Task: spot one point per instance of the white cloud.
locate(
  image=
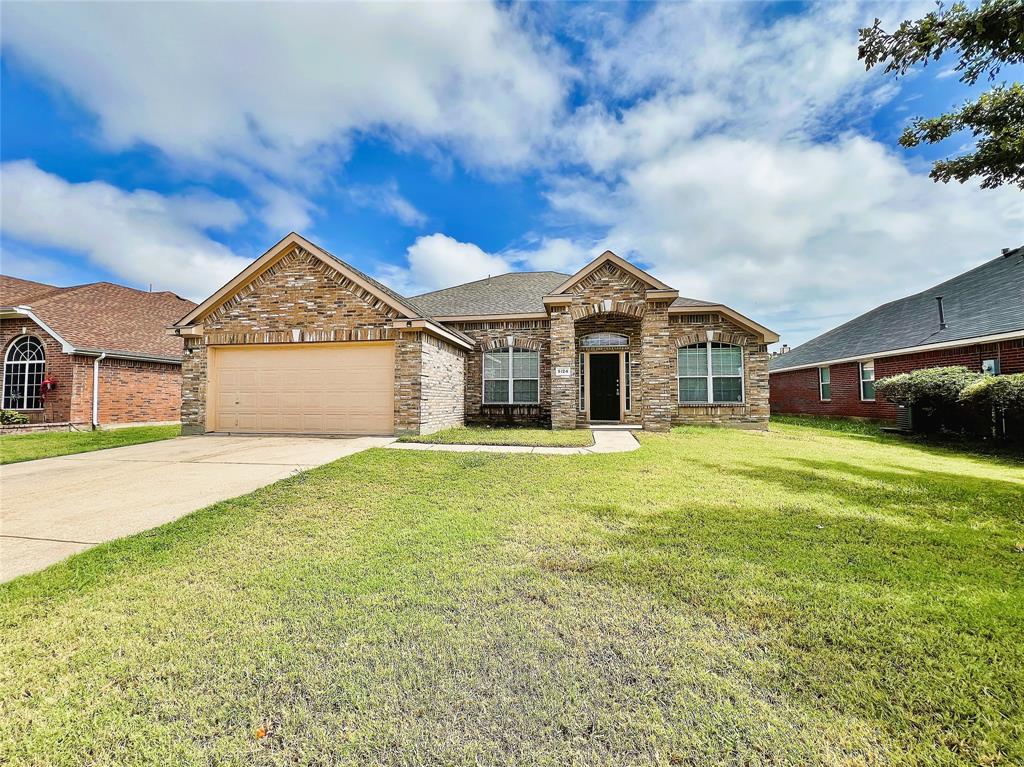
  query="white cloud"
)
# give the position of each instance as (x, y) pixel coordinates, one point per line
(729, 176)
(141, 236)
(438, 261)
(387, 199)
(799, 231)
(279, 91)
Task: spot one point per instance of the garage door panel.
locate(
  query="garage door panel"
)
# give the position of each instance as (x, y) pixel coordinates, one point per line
(315, 389)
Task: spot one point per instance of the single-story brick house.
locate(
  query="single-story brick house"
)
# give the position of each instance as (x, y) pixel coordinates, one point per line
(104, 349)
(301, 342)
(975, 319)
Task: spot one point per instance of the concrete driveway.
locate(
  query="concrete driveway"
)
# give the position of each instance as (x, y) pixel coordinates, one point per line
(55, 507)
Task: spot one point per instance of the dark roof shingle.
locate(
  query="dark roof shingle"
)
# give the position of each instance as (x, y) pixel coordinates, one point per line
(986, 300)
(512, 293)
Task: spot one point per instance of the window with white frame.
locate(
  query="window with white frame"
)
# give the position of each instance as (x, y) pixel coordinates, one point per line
(24, 370)
(825, 383)
(867, 380)
(511, 377)
(710, 373)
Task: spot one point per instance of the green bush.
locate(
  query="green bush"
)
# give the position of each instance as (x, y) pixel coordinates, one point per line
(1004, 393)
(929, 388)
(9, 417)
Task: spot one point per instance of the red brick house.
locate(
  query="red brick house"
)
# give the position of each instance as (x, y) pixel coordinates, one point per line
(104, 347)
(975, 319)
(301, 342)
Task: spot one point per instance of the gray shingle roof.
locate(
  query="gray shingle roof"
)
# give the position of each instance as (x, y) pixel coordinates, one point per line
(512, 293)
(683, 301)
(986, 300)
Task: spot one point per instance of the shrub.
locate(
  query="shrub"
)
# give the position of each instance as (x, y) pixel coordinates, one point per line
(1004, 393)
(928, 388)
(9, 417)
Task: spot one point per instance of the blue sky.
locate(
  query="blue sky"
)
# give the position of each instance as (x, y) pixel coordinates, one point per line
(739, 150)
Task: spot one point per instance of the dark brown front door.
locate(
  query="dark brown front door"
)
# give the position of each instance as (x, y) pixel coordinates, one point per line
(604, 387)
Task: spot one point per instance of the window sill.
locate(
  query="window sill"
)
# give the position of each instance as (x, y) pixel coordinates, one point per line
(712, 404)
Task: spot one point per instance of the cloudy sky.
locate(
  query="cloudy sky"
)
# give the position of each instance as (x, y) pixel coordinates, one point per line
(739, 151)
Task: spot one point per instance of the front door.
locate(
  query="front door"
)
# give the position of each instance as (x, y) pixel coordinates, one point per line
(604, 387)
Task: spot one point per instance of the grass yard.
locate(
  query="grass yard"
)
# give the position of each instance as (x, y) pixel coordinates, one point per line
(802, 597)
(482, 435)
(48, 444)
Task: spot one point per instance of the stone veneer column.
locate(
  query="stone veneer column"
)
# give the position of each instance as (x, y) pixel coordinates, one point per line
(657, 368)
(408, 382)
(193, 387)
(563, 355)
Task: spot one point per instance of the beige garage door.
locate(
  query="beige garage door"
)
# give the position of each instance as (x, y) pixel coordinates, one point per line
(303, 389)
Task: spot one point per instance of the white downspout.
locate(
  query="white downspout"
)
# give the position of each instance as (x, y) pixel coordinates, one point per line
(96, 390)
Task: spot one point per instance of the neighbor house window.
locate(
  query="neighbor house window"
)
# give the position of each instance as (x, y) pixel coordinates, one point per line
(710, 373)
(867, 381)
(511, 377)
(24, 370)
(825, 383)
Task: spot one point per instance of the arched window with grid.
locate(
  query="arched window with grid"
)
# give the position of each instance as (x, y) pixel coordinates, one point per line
(24, 370)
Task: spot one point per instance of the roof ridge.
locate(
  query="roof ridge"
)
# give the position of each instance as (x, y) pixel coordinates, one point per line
(490, 277)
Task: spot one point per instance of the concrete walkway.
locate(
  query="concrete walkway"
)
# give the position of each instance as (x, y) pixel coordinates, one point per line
(605, 441)
(55, 507)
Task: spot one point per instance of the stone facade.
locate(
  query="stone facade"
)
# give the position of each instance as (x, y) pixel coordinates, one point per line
(430, 378)
(527, 334)
(689, 329)
(300, 298)
(443, 396)
(131, 391)
(625, 325)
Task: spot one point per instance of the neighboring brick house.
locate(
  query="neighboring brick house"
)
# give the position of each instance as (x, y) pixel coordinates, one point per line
(975, 319)
(104, 347)
(301, 342)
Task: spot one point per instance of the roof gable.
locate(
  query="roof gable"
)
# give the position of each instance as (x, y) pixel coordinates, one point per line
(608, 257)
(401, 305)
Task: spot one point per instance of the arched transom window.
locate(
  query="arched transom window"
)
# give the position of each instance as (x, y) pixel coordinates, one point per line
(24, 369)
(511, 377)
(604, 339)
(709, 373)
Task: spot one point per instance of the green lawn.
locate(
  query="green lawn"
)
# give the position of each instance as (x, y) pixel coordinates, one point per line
(47, 444)
(798, 597)
(482, 435)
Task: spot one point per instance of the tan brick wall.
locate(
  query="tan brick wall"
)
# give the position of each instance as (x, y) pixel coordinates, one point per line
(408, 383)
(443, 396)
(299, 293)
(533, 334)
(193, 387)
(754, 411)
(628, 326)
